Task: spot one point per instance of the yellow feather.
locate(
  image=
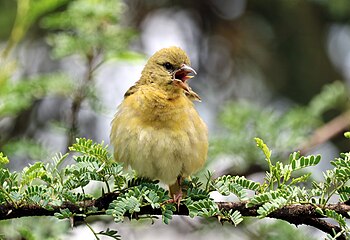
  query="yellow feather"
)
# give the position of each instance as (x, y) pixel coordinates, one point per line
(156, 129)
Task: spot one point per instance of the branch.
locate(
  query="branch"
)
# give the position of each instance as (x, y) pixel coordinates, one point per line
(323, 226)
(296, 210)
(294, 214)
(78, 99)
(327, 132)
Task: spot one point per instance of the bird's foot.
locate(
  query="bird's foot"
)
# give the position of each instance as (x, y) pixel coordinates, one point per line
(177, 197)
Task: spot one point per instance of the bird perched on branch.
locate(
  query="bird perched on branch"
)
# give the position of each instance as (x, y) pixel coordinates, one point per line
(156, 129)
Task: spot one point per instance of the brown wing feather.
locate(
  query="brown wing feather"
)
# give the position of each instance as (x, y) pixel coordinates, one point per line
(131, 91)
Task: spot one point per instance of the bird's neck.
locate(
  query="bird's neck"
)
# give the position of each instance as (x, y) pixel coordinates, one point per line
(160, 97)
(163, 88)
(160, 105)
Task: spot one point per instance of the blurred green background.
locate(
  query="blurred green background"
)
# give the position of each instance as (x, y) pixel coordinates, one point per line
(275, 69)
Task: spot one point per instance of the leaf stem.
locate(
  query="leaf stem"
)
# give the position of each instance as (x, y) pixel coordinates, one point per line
(92, 230)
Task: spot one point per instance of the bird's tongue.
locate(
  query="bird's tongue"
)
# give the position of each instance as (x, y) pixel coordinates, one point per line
(183, 85)
(181, 78)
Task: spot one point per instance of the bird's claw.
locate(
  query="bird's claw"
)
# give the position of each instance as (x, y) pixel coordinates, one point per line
(176, 199)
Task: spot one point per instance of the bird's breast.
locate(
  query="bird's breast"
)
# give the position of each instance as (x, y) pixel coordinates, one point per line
(159, 139)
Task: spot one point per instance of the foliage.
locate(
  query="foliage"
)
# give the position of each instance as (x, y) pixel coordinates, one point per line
(98, 34)
(280, 187)
(91, 30)
(41, 183)
(110, 233)
(17, 96)
(44, 228)
(55, 183)
(3, 159)
(284, 130)
(134, 198)
(100, 37)
(279, 230)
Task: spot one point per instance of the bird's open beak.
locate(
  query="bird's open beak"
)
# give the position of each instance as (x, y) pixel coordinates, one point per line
(182, 75)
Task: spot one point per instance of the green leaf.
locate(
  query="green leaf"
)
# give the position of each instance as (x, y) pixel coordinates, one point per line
(100, 33)
(153, 199)
(197, 194)
(263, 198)
(59, 158)
(343, 173)
(203, 208)
(17, 96)
(300, 179)
(347, 134)
(117, 210)
(130, 202)
(86, 146)
(64, 213)
(236, 185)
(9, 186)
(336, 216)
(269, 207)
(247, 184)
(3, 159)
(344, 193)
(110, 233)
(233, 217)
(167, 212)
(139, 181)
(260, 143)
(225, 185)
(35, 171)
(304, 162)
(332, 95)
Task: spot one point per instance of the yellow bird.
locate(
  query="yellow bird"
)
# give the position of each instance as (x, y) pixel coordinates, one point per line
(156, 129)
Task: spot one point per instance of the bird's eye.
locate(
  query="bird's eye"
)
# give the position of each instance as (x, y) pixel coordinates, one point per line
(168, 66)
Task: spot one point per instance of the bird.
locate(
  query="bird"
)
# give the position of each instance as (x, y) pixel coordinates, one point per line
(156, 129)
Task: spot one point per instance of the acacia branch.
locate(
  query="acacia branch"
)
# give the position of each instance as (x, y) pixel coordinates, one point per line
(323, 226)
(327, 132)
(296, 214)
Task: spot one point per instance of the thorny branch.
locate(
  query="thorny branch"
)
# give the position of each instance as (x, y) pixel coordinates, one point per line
(294, 214)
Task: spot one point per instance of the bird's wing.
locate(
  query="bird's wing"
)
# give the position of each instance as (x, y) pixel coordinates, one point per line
(131, 90)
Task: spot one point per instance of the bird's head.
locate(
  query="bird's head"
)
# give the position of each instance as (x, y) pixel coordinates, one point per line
(169, 69)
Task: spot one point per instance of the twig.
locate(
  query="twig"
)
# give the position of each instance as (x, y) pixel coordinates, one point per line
(91, 229)
(78, 99)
